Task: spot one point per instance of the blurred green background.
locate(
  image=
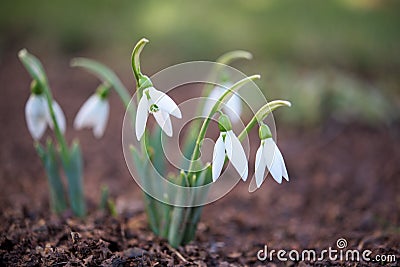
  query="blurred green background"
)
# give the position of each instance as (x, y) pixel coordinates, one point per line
(333, 59)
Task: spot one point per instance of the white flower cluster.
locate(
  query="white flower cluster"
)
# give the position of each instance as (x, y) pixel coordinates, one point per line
(268, 156)
(93, 114)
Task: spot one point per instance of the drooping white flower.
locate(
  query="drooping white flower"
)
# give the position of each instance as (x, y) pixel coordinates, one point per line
(38, 115)
(228, 145)
(93, 114)
(60, 117)
(233, 107)
(161, 106)
(269, 156)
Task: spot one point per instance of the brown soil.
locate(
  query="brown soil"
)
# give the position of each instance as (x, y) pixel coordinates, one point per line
(344, 184)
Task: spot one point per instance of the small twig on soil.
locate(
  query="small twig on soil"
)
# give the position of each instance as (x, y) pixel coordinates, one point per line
(177, 253)
(59, 263)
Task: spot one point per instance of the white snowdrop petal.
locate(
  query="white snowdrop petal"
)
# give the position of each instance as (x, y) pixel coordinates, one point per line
(260, 166)
(141, 117)
(164, 102)
(86, 117)
(281, 162)
(272, 161)
(102, 111)
(236, 154)
(233, 108)
(163, 119)
(284, 172)
(35, 115)
(218, 158)
(208, 105)
(216, 93)
(60, 117)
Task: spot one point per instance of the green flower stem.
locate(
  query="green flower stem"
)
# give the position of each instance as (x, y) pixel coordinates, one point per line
(153, 206)
(214, 109)
(261, 114)
(136, 58)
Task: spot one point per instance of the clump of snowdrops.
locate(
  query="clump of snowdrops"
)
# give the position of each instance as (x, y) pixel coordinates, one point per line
(175, 223)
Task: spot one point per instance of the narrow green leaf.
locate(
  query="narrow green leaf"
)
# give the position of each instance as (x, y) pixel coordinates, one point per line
(157, 157)
(73, 171)
(205, 177)
(103, 198)
(105, 74)
(137, 159)
(49, 159)
(149, 202)
(177, 229)
(227, 58)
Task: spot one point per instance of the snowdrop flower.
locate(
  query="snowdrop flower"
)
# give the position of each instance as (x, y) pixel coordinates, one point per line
(233, 107)
(161, 106)
(37, 114)
(228, 144)
(94, 112)
(269, 156)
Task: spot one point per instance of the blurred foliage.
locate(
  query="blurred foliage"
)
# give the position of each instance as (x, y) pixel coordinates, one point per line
(319, 95)
(358, 39)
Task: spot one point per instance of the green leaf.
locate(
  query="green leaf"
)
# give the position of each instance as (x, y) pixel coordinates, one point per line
(49, 159)
(150, 203)
(138, 161)
(157, 155)
(105, 74)
(227, 58)
(73, 171)
(177, 228)
(103, 198)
